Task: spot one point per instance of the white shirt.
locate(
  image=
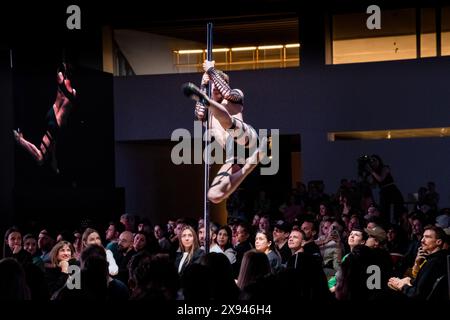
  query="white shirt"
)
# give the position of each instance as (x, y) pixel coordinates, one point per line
(180, 266)
(112, 265)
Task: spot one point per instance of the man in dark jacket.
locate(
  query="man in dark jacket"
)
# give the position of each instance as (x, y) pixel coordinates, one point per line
(431, 281)
(243, 245)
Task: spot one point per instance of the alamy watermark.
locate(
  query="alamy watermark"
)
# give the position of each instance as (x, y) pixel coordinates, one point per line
(374, 21)
(74, 279)
(220, 151)
(74, 20)
(374, 280)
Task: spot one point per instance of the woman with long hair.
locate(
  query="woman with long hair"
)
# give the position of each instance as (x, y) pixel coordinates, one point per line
(13, 247)
(255, 265)
(91, 236)
(264, 243)
(57, 271)
(223, 240)
(189, 251)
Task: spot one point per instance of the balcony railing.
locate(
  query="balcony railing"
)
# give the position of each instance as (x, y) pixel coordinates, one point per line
(240, 58)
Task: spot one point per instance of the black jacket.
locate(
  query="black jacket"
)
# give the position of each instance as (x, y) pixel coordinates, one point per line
(313, 249)
(240, 249)
(198, 254)
(433, 269)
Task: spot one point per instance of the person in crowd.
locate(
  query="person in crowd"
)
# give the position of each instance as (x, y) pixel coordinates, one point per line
(390, 195)
(223, 240)
(255, 265)
(13, 285)
(45, 244)
(264, 224)
(309, 245)
(57, 272)
(430, 282)
(243, 244)
(357, 237)
(30, 245)
(126, 251)
(264, 243)
(95, 282)
(295, 243)
(160, 235)
(91, 236)
(190, 251)
(153, 278)
(281, 232)
(220, 275)
(377, 237)
(13, 248)
(112, 237)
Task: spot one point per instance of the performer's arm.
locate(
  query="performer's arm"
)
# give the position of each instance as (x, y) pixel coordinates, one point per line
(204, 83)
(200, 109)
(233, 95)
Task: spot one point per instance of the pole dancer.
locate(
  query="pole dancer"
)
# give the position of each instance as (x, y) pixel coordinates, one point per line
(228, 128)
(56, 118)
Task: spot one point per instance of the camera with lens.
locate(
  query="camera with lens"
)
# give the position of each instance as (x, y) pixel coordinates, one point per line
(334, 231)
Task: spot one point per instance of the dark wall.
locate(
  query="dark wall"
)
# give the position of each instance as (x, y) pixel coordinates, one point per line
(41, 33)
(365, 96)
(66, 208)
(6, 140)
(158, 189)
(313, 102)
(377, 96)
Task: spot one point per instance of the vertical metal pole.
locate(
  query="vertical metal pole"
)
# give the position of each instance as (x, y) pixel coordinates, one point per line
(63, 55)
(208, 144)
(448, 275)
(11, 58)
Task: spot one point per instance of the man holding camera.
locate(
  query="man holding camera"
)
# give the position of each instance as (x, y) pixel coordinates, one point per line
(390, 195)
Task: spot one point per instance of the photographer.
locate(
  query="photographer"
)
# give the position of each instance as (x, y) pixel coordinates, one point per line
(389, 193)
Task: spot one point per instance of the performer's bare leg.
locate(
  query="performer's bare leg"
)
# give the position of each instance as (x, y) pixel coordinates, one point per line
(230, 175)
(37, 153)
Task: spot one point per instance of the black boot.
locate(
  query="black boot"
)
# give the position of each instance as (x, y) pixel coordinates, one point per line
(191, 91)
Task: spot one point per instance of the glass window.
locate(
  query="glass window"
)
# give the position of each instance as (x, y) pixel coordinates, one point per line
(445, 31)
(354, 42)
(428, 33)
(257, 43)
